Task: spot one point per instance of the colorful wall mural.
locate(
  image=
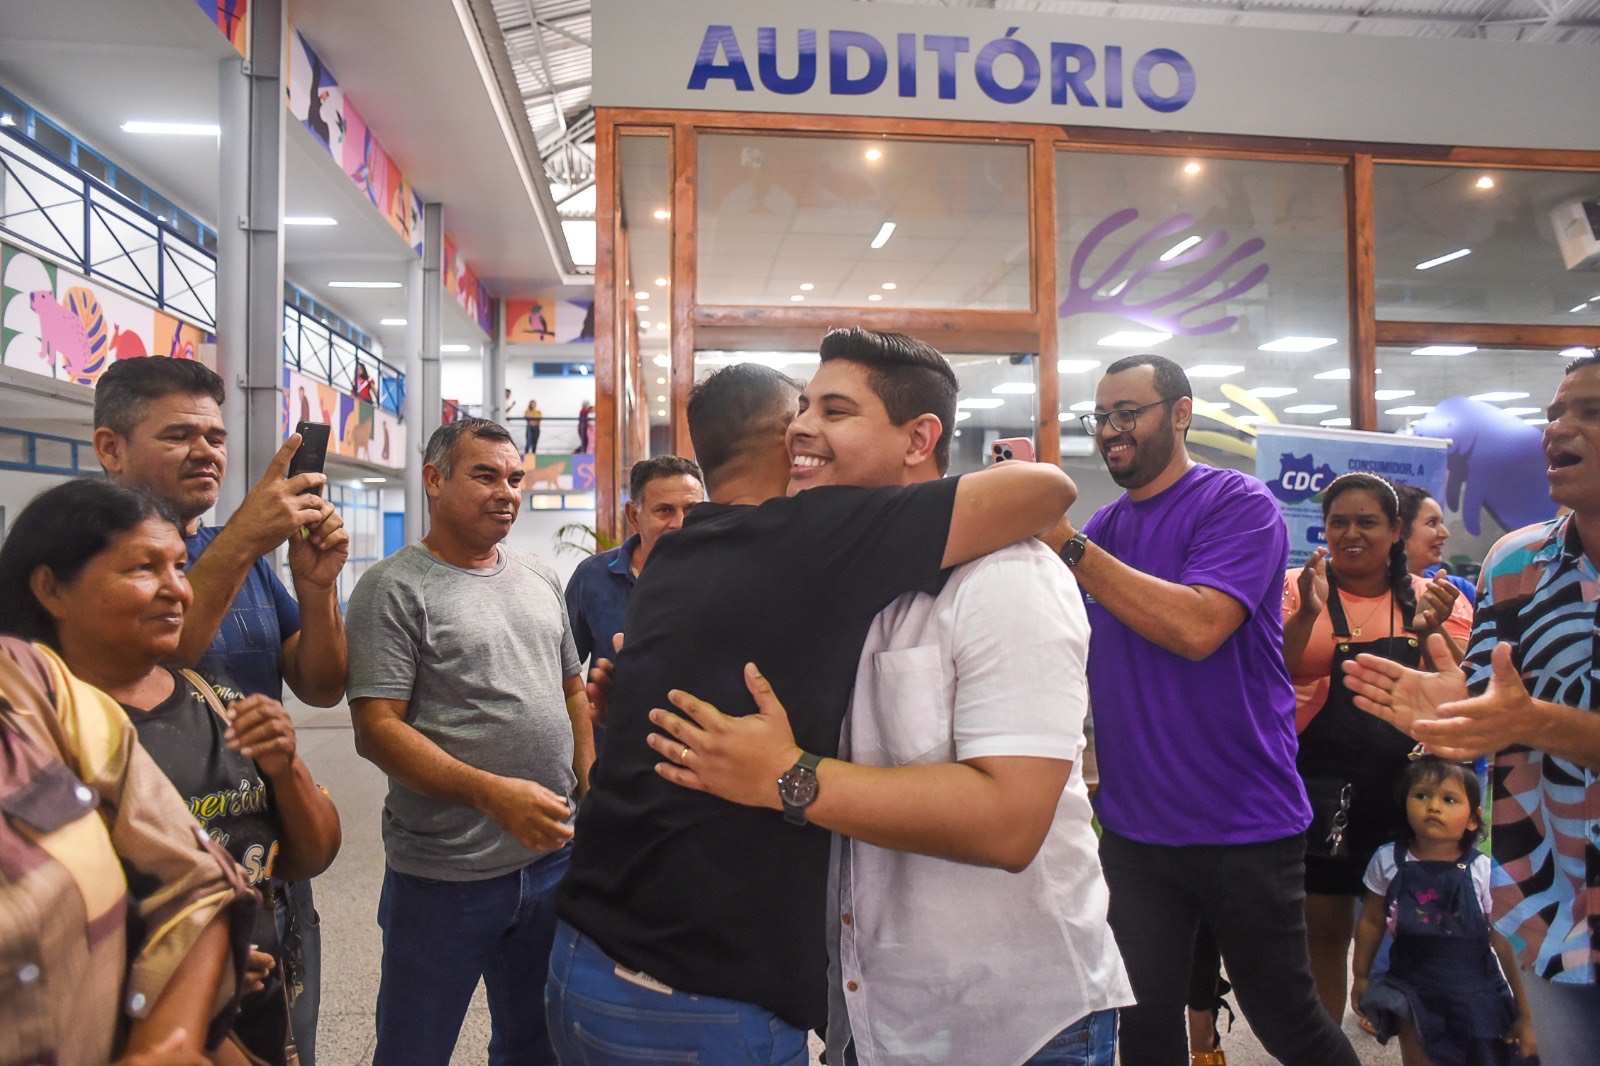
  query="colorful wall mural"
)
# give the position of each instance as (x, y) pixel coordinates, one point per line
(61, 325)
(359, 429)
(555, 473)
(464, 285)
(314, 97)
(231, 17)
(548, 321)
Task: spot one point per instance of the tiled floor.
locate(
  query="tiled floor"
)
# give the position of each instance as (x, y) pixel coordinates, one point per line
(347, 898)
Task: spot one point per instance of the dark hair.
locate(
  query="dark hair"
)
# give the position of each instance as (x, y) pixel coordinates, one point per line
(1171, 382)
(121, 393)
(63, 528)
(1583, 362)
(441, 450)
(1432, 770)
(910, 377)
(657, 466)
(729, 411)
(1388, 497)
(1411, 500)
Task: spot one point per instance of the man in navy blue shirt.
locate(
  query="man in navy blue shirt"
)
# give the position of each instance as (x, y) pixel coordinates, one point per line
(158, 425)
(661, 491)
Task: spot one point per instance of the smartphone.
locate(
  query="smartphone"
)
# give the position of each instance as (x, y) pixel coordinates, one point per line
(1018, 448)
(313, 451)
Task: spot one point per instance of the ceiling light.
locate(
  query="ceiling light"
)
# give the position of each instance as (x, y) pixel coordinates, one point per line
(661, 283)
(1215, 370)
(796, 298)
(979, 404)
(1393, 394)
(177, 129)
(884, 233)
(1310, 408)
(1540, 421)
(662, 214)
(1082, 406)
(1457, 254)
(1132, 338)
(1340, 374)
(1273, 392)
(641, 296)
(391, 321)
(1581, 307)
(1520, 411)
(1249, 420)
(6, 119)
(643, 308)
(1217, 406)
(644, 323)
(309, 220)
(875, 297)
(661, 399)
(660, 360)
(1413, 409)
(1485, 182)
(874, 154)
(1297, 344)
(661, 381)
(1076, 366)
(1016, 388)
(806, 286)
(374, 481)
(1191, 168)
(1576, 353)
(661, 414)
(455, 347)
(888, 286)
(1499, 397)
(962, 416)
(363, 284)
(1334, 422)
(1445, 349)
(1179, 248)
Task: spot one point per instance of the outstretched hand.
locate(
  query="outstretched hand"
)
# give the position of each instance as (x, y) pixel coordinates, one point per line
(1314, 583)
(737, 759)
(1503, 716)
(1401, 696)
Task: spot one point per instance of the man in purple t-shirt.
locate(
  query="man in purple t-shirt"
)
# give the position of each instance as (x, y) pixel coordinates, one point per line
(1202, 810)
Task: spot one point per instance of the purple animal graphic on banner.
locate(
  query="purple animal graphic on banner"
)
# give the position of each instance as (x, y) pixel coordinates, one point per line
(1495, 462)
(1166, 310)
(62, 332)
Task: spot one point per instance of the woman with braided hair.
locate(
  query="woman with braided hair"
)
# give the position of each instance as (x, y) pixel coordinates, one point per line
(1354, 596)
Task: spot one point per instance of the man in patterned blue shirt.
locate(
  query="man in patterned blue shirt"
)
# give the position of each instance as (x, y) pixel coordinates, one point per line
(1526, 694)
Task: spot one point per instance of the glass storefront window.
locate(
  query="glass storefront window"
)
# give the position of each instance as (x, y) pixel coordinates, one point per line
(854, 222)
(1234, 269)
(1474, 244)
(645, 288)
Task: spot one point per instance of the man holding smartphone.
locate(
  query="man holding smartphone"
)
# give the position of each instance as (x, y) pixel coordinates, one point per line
(158, 426)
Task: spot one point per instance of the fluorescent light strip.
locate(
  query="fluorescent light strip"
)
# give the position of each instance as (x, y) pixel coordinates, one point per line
(1413, 409)
(1178, 249)
(1457, 254)
(363, 284)
(1334, 422)
(1445, 349)
(455, 347)
(884, 233)
(1082, 406)
(1520, 411)
(1499, 397)
(175, 129)
(391, 321)
(1297, 344)
(1310, 408)
(1076, 366)
(1273, 392)
(1393, 394)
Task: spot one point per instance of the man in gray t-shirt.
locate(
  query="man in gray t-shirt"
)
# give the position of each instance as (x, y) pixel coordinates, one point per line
(465, 688)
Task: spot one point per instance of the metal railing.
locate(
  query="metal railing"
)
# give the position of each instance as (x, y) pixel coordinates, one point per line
(46, 453)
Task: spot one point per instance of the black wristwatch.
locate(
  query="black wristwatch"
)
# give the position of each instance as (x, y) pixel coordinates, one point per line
(797, 788)
(1072, 551)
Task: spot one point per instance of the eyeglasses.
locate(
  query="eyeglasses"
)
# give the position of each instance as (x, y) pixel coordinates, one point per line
(1123, 419)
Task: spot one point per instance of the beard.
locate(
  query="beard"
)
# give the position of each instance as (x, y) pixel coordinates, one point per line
(1150, 457)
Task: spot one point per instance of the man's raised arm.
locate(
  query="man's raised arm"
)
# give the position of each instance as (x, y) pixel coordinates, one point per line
(1003, 504)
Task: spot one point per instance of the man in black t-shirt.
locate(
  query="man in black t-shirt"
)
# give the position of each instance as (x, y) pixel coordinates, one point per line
(706, 915)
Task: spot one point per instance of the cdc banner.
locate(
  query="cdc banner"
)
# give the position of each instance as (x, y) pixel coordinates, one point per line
(1297, 462)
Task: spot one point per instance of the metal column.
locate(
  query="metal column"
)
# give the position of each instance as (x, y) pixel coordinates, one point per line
(250, 251)
(494, 369)
(424, 292)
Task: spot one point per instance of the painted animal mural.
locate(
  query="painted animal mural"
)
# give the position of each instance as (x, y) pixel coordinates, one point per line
(75, 330)
(549, 474)
(1495, 463)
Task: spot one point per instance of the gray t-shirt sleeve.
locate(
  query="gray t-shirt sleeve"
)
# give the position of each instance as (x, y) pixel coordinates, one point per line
(384, 625)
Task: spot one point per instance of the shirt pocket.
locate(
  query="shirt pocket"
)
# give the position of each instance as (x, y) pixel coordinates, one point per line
(912, 705)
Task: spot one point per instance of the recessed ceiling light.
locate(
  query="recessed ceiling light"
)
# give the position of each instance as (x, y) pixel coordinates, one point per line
(661, 414)
(363, 285)
(6, 119)
(962, 416)
(1339, 374)
(1393, 394)
(1017, 388)
(661, 283)
(1310, 408)
(1132, 338)
(1520, 411)
(1273, 392)
(644, 323)
(661, 399)
(641, 296)
(888, 286)
(662, 214)
(1457, 254)
(391, 321)
(1485, 182)
(1445, 349)
(806, 286)
(1412, 409)
(1076, 366)
(979, 404)
(1499, 397)
(1082, 406)
(176, 129)
(660, 360)
(875, 297)
(1297, 344)
(874, 154)
(1179, 248)
(1334, 422)
(642, 308)
(309, 220)
(455, 347)
(796, 298)
(1215, 370)
(884, 233)
(1191, 168)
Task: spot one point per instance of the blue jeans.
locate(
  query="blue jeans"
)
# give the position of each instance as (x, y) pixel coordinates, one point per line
(298, 921)
(1089, 1041)
(440, 937)
(1566, 1019)
(598, 1018)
